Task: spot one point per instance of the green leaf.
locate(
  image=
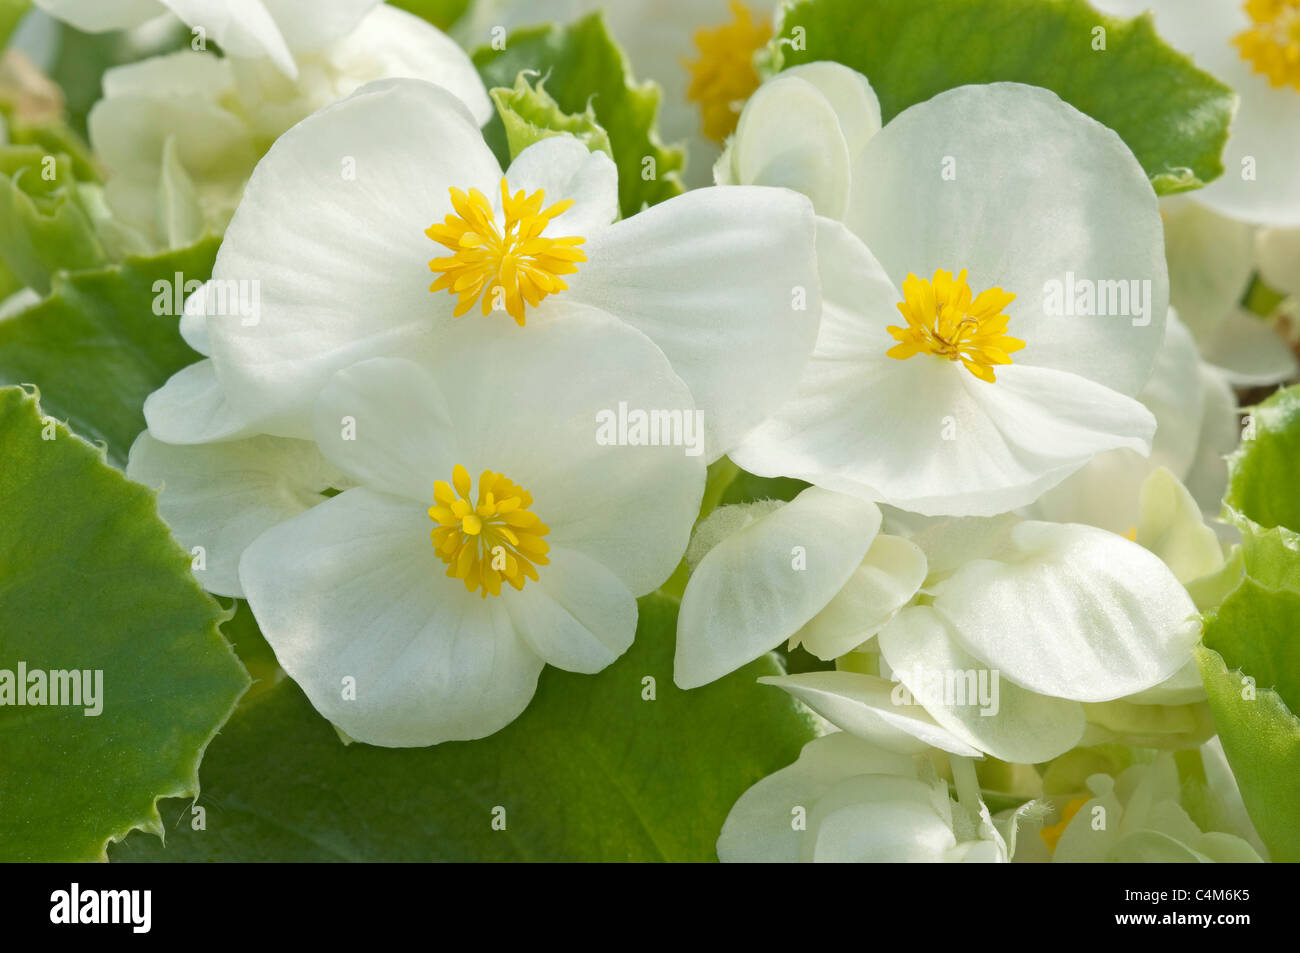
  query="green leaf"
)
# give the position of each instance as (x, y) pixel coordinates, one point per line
(530, 114)
(97, 347)
(591, 771)
(1257, 630)
(1262, 484)
(747, 488)
(44, 226)
(441, 13)
(1261, 738)
(1270, 557)
(11, 14)
(91, 580)
(1174, 117)
(583, 66)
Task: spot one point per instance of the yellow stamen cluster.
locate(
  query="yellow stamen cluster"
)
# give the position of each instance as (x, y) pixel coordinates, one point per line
(944, 321)
(505, 267)
(1272, 43)
(492, 539)
(723, 76)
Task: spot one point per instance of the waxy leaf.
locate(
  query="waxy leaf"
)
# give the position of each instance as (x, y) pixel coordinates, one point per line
(1173, 116)
(582, 65)
(113, 675)
(617, 766)
(104, 341)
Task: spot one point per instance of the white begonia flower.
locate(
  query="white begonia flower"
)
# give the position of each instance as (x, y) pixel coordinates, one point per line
(345, 217)
(1211, 261)
(276, 29)
(1138, 817)
(700, 53)
(997, 383)
(845, 800)
(1250, 45)
(995, 632)
(488, 532)
(181, 133)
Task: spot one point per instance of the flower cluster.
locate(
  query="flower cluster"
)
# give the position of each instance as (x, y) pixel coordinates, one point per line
(925, 400)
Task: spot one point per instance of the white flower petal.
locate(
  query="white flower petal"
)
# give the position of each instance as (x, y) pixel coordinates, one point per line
(1083, 841)
(1211, 260)
(192, 408)
(759, 830)
(757, 587)
(578, 617)
(863, 705)
(724, 280)
(1207, 478)
(386, 424)
(352, 589)
(975, 703)
(222, 496)
(390, 43)
(1040, 192)
(98, 16)
(888, 578)
(184, 73)
(1277, 251)
(849, 93)
(1103, 493)
(878, 818)
(1249, 353)
(307, 24)
(790, 137)
(239, 27)
(1073, 612)
(342, 262)
(1176, 396)
(1172, 527)
(567, 169)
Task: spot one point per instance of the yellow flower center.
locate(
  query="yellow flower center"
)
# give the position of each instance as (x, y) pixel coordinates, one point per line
(1052, 835)
(495, 538)
(943, 320)
(723, 76)
(1272, 43)
(505, 267)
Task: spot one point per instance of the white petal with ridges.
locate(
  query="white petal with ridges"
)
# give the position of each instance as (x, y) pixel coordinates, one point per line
(758, 586)
(888, 578)
(759, 830)
(1072, 611)
(192, 408)
(222, 496)
(973, 700)
(579, 617)
(567, 169)
(864, 706)
(724, 281)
